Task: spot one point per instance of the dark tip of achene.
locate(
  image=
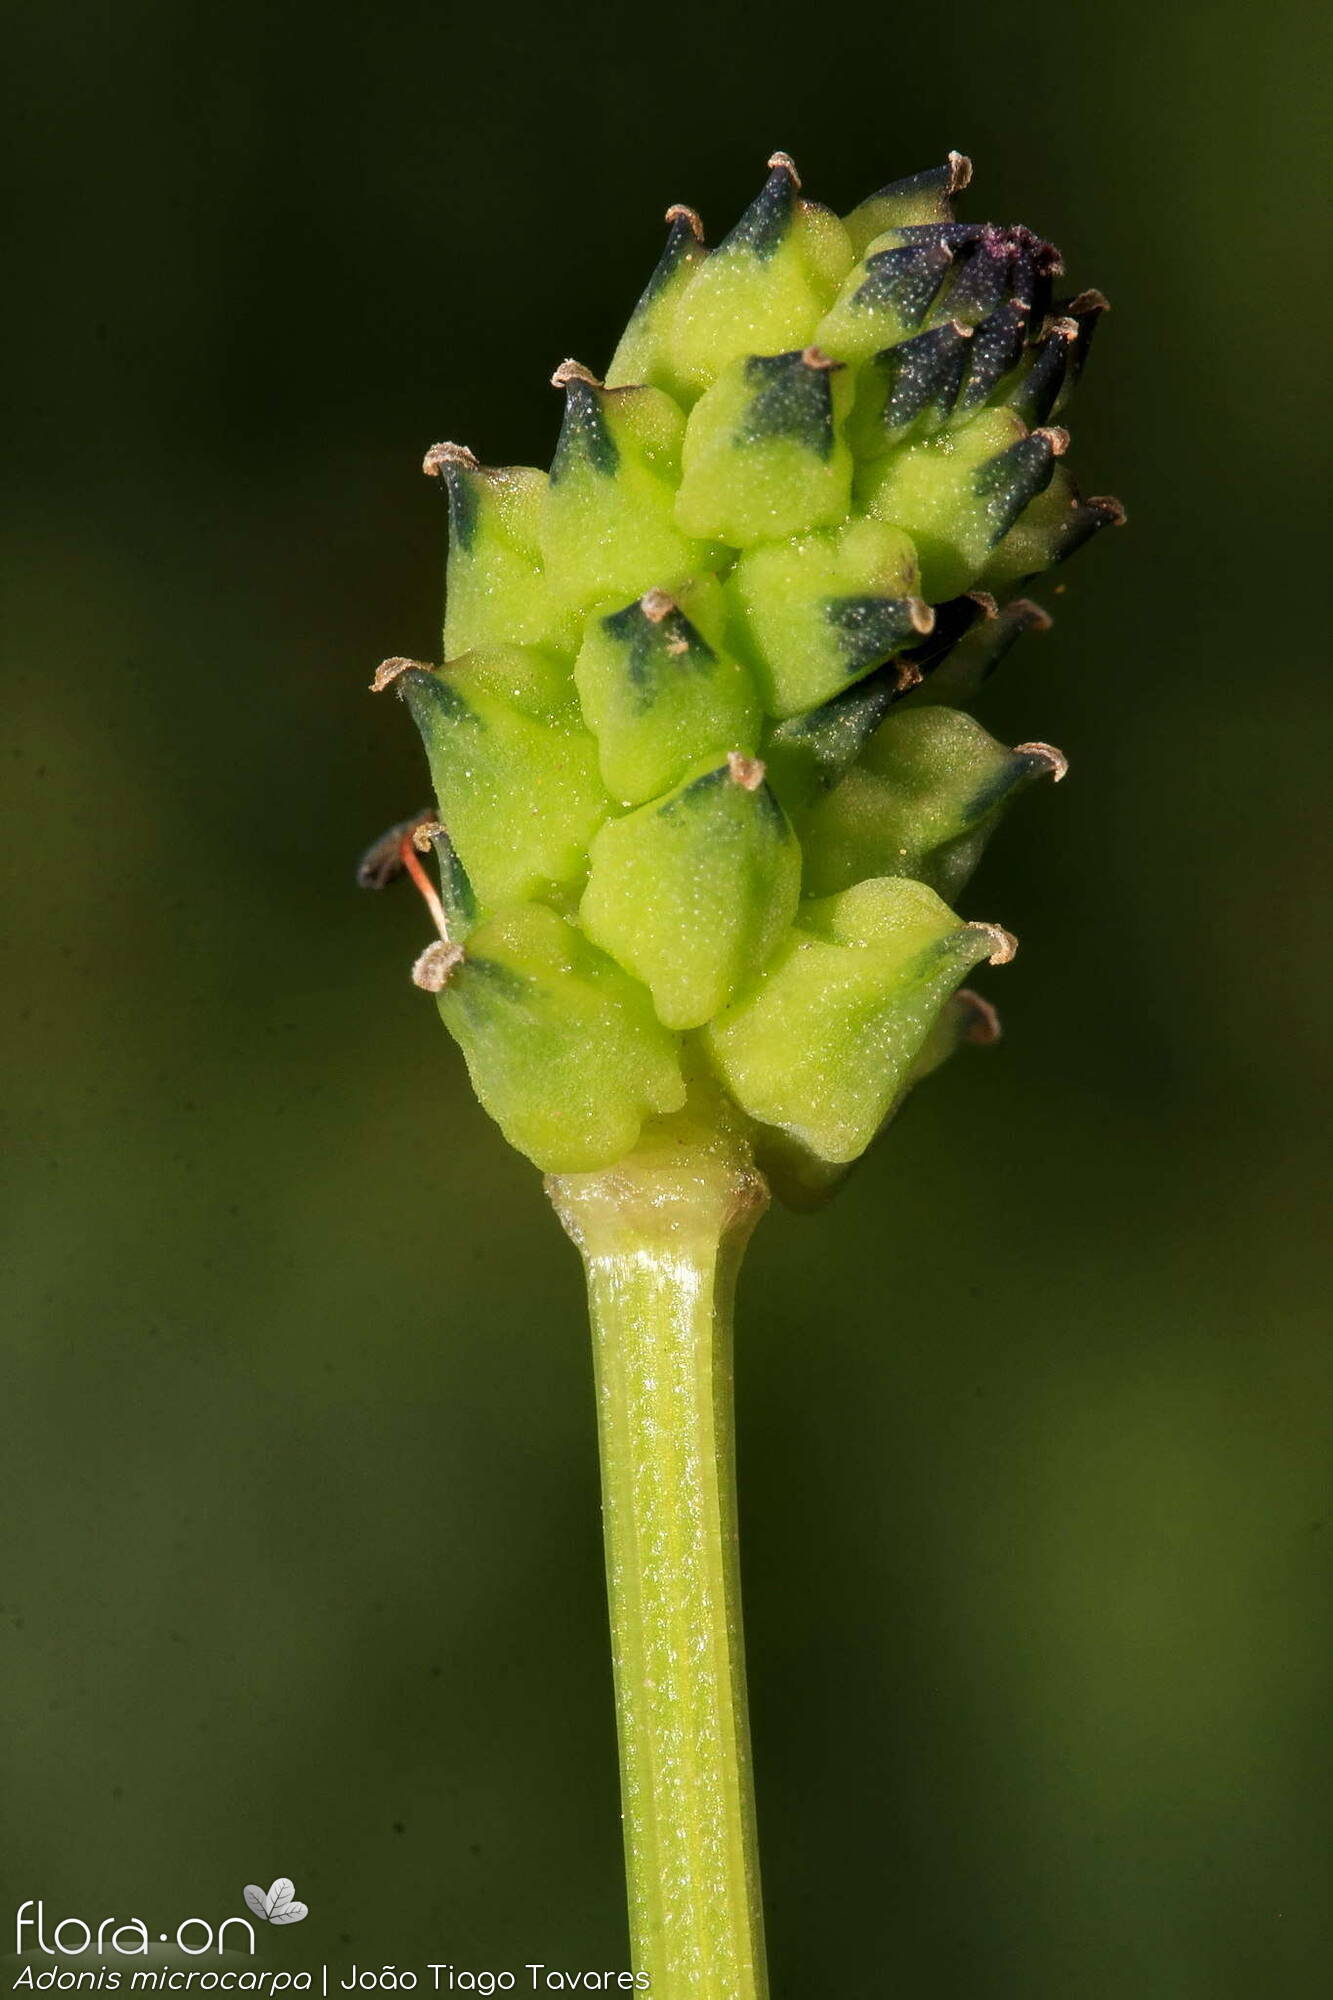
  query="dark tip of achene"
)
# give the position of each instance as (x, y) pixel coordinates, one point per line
(1107, 505)
(747, 772)
(657, 605)
(383, 859)
(1088, 302)
(1003, 943)
(815, 357)
(1028, 615)
(766, 223)
(388, 671)
(441, 455)
(983, 1023)
(574, 371)
(1055, 437)
(437, 965)
(1055, 760)
(679, 213)
(960, 172)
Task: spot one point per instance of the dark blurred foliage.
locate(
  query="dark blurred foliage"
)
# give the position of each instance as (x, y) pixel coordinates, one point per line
(301, 1564)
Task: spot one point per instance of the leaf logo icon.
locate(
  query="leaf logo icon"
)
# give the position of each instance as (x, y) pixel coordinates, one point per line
(276, 1905)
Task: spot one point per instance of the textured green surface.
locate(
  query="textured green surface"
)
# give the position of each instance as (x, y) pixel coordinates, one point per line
(659, 688)
(558, 1040)
(693, 891)
(301, 1564)
(812, 613)
(921, 801)
(830, 1036)
(519, 793)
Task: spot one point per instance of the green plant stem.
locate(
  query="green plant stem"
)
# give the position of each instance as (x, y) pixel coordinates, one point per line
(662, 1237)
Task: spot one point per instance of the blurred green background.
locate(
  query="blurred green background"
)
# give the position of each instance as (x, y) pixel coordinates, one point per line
(301, 1566)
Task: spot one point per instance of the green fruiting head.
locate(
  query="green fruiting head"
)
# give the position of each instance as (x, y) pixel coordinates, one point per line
(704, 776)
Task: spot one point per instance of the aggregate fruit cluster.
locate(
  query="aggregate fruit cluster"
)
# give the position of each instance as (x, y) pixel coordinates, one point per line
(706, 781)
